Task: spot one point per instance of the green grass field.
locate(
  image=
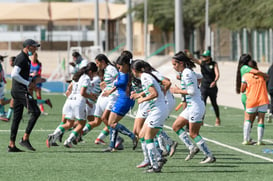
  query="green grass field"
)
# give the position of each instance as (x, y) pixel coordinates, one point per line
(86, 161)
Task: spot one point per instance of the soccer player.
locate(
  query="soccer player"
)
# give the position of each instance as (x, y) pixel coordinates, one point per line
(76, 109)
(194, 111)
(123, 103)
(152, 94)
(257, 100)
(243, 68)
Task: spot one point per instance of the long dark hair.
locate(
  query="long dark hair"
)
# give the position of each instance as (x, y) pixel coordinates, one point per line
(90, 66)
(182, 57)
(244, 59)
(102, 57)
(125, 59)
(141, 66)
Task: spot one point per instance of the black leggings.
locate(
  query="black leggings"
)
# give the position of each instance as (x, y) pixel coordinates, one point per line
(22, 100)
(212, 94)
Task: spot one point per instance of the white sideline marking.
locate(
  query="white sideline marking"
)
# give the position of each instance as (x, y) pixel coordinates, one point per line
(239, 150)
(268, 141)
(39, 130)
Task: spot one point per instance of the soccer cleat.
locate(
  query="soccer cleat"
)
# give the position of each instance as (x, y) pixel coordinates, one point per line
(2, 118)
(14, 149)
(260, 143)
(26, 143)
(153, 170)
(49, 140)
(135, 142)
(119, 142)
(162, 162)
(211, 159)
(54, 144)
(67, 144)
(120, 147)
(192, 152)
(109, 149)
(99, 142)
(165, 153)
(143, 164)
(247, 143)
(44, 113)
(173, 148)
(48, 102)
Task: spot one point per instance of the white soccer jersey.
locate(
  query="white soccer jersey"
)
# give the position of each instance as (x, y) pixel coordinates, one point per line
(106, 103)
(147, 81)
(189, 83)
(157, 113)
(94, 87)
(110, 75)
(77, 105)
(169, 98)
(195, 109)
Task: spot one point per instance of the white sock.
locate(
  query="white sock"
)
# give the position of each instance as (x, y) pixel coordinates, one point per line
(144, 150)
(200, 142)
(186, 140)
(151, 153)
(247, 126)
(260, 132)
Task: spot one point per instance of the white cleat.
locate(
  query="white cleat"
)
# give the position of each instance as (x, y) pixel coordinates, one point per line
(211, 159)
(192, 152)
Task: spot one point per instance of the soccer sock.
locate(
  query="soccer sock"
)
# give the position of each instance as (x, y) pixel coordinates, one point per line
(122, 129)
(40, 101)
(10, 111)
(41, 105)
(103, 134)
(58, 131)
(166, 138)
(144, 149)
(73, 135)
(118, 141)
(184, 137)
(200, 142)
(161, 143)
(86, 129)
(247, 126)
(113, 137)
(260, 132)
(151, 152)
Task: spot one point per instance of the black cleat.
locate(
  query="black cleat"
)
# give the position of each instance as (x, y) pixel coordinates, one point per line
(26, 143)
(14, 149)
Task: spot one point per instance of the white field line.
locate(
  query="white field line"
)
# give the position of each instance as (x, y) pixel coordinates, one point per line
(239, 150)
(37, 130)
(229, 147)
(268, 141)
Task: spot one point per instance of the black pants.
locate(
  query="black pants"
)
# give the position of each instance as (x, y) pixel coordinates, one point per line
(22, 100)
(212, 94)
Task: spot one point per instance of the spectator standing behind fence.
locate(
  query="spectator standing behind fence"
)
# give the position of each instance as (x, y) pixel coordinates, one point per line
(210, 72)
(21, 96)
(270, 92)
(78, 63)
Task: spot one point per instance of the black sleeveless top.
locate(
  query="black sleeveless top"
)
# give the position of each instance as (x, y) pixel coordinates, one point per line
(207, 70)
